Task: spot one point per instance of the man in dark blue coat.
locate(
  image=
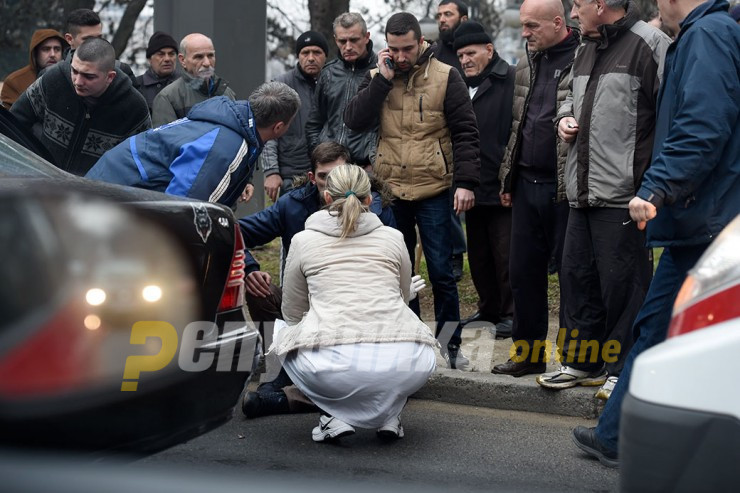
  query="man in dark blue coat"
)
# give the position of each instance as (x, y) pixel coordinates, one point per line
(211, 154)
(692, 189)
(284, 219)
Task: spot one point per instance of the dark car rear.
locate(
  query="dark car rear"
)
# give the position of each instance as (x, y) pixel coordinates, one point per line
(69, 382)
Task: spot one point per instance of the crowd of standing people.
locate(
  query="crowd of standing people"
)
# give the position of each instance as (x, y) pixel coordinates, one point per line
(558, 161)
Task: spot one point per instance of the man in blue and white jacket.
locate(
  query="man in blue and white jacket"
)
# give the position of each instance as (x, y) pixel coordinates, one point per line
(209, 155)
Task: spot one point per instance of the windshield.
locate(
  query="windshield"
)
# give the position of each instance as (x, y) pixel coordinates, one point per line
(16, 160)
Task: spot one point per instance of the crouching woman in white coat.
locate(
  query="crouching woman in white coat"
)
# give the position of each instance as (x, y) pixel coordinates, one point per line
(352, 344)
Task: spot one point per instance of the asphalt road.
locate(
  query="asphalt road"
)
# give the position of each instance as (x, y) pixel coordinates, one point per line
(447, 447)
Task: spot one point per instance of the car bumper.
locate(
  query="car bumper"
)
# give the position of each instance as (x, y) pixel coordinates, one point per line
(168, 408)
(664, 448)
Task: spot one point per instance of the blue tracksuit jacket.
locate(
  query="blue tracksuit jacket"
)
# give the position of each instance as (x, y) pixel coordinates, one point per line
(210, 155)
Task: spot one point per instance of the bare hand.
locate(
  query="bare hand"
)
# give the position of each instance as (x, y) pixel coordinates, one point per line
(567, 129)
(464, 200)
(642, 211)
(505, 199)
(247, 194)
(272, 186)
(384, 69)
(257, 284)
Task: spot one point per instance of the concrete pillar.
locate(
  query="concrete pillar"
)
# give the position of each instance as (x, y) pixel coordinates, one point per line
(238, 30)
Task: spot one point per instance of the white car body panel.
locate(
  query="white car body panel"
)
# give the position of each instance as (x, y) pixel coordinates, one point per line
(699, 371)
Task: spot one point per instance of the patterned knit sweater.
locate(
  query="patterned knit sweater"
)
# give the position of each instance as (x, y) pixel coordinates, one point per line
(75, 131)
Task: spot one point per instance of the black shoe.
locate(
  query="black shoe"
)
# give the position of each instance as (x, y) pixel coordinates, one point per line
(476, 317)
(519, 369)
(457, 267)
(281, 381)
(257, 404)
(503, 329)
(586, 440)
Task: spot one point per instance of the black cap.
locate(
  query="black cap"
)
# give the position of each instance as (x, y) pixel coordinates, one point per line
(158, 41)
(470, 33)
(311, 38)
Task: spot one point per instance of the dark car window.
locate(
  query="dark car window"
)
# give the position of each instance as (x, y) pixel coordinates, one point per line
(29, 276)
(16, 160)
(11, 128)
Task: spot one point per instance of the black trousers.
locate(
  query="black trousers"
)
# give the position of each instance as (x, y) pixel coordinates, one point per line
(538, 234)
(489, 240)
(605, 276)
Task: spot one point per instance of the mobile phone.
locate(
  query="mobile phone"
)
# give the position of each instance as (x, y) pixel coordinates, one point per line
(389, 63)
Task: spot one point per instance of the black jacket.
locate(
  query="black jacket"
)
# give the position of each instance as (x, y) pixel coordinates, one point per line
(338, 83)
(446, 54)
(149, 85)
(492, 105)
(288, 155)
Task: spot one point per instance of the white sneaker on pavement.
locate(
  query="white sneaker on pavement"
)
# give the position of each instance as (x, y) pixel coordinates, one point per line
(330, 428)
(454, 357)
(567, 377)
(392, 429)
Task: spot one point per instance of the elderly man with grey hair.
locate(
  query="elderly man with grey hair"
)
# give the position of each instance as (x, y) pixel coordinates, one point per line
(198, 82)
(608, 120)
(337, 84)
(211, 154)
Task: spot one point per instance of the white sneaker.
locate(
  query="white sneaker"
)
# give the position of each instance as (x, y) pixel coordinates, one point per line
(392, 429)
(454, 357)
(606, 390)
(567, 377)
(330, 428)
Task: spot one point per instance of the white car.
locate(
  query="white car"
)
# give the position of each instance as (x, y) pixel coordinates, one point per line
(680, 425)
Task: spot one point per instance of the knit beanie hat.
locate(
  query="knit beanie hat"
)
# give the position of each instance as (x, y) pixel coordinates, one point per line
(470, 33)
(311, 38)
(158, 41)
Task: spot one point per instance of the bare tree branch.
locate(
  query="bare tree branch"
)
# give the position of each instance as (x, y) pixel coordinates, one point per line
(286, 17)
(127, 24)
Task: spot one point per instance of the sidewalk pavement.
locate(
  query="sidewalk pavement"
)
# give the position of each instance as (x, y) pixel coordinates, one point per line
(479, 387)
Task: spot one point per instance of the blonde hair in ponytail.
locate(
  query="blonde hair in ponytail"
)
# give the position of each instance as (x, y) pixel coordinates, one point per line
(349, 186)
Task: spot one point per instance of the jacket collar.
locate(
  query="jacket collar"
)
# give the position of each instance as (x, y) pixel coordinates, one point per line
(209, 87)
(610, 32)
(496, 69)
(325, 222)
(569, 43)
(150, 78)
(701, 11)
(363, 62)
(303, 76)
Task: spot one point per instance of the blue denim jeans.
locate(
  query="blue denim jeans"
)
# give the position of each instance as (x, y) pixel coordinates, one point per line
(458, 235)
(650, 328)
(432, 215)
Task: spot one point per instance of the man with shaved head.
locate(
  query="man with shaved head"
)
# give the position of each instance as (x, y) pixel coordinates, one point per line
(81, 109)
(532, 175)
(198, 83)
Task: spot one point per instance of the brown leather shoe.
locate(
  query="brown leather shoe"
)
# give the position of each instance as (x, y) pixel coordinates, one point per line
(519, 369)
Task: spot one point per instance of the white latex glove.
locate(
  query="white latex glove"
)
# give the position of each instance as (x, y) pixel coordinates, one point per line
(417, 284)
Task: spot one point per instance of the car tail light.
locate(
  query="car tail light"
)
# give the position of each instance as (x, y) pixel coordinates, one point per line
(59, 357)
(233, 296)
(711, 292)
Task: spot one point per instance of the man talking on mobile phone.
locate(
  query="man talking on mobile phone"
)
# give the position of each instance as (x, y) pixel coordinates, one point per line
(427, 135)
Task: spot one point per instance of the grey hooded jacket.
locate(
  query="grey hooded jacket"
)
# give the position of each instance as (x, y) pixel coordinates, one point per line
(614, 89)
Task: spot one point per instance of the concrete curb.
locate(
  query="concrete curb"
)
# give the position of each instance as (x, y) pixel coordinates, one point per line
(505, 392)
